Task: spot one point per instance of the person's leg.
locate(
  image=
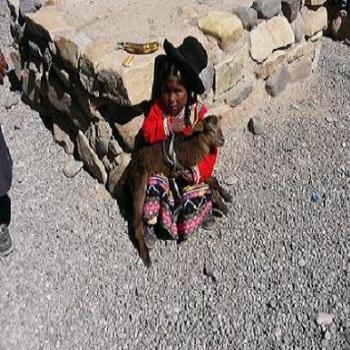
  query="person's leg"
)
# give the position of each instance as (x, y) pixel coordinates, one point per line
(5, 218)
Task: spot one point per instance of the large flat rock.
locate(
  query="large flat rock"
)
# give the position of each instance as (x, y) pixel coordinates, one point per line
(133, 21)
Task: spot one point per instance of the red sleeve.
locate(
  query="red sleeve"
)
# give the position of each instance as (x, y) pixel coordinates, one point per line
(206, 166)
(202, 113)
(153, 125)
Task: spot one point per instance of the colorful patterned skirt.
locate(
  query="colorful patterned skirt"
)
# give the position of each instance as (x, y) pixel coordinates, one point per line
(178, 215)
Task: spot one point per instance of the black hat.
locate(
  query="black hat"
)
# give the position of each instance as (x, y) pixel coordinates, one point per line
(191, 58)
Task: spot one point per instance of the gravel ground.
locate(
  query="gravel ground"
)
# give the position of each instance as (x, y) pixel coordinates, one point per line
(259, 281)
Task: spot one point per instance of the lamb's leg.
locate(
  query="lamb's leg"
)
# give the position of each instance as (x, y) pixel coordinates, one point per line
(139, 201)
(214, 185)
(219, 202)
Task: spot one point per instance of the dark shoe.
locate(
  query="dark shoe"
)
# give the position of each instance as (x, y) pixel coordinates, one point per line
(5, 241)
(208, 223)
(150, 236)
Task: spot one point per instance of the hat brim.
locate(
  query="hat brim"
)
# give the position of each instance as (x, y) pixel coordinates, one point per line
(175, 55)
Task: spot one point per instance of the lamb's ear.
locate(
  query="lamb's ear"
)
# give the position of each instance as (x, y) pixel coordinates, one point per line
(199, 127)
(210, 122)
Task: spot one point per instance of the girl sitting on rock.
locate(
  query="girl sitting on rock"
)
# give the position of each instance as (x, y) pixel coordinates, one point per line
(178, 210)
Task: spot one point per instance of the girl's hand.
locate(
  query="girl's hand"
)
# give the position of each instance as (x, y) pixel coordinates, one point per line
(175, 124)
(186, 175)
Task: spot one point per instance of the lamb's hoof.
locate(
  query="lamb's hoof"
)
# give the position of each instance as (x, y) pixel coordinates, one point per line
(227, 197)
(146, 259)
(147, 262)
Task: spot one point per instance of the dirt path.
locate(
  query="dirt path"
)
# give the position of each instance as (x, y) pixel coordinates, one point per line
(75, 281)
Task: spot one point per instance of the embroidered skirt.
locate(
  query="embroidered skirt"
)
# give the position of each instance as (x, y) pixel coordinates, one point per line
(178, 215)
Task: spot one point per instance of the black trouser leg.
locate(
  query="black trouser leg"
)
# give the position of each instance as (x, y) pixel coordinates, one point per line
(5, 210)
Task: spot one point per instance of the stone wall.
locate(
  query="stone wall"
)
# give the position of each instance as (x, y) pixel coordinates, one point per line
(95, 100)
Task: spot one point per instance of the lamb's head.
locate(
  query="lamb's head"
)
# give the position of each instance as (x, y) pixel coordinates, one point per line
(210, 127)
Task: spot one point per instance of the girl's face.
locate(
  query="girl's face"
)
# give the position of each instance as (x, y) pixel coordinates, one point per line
(174, 96)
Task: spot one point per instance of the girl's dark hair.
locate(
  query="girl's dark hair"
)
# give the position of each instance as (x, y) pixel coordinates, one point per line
(171, 71)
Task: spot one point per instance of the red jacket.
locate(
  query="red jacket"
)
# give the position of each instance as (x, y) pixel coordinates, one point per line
(154, 130)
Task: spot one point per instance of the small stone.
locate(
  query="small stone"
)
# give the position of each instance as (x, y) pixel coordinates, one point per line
(256, 126)
(302, 263)
(331, 119)
(231, 181)
(72, 168)
(278, 82)
(266, 9)
(315, 197)
(347, 334)
(248, 16)
(289, 146)
(327, 335)
(278, 333)
(11, 101)
(324, 319)
(290, 9)
(208, 271)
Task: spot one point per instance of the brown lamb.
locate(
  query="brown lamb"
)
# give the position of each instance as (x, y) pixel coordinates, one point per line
(149, 159)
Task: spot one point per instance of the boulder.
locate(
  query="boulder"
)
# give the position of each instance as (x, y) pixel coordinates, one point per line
(229, 71)
(299, 70)
(90, 159)
(207, 77)
(47, 23)
(270, 35)
(224, 26)
(248, 17)
(290, 9)
(62, 101)
(103, 137)
(298, 28)
(315, 2)
(240, 92)
(114, 185)
(270, 66)
(91, 56)
(314, 21)
(266, 9)
(69, 45)
(278, 82)
(126, 85)
(62, 138)
(72, 168)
